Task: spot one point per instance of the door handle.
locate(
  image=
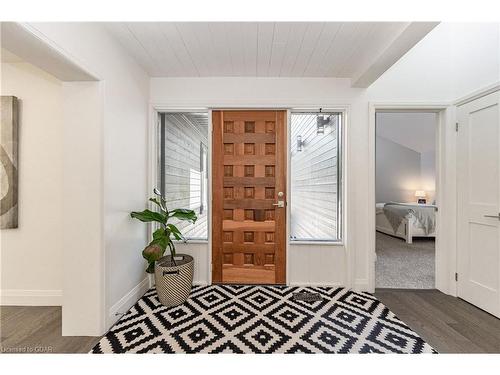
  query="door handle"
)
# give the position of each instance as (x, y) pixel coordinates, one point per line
(281, 202)
(493, 216)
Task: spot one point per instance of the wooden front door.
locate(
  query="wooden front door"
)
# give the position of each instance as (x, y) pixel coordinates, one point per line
(248, 181)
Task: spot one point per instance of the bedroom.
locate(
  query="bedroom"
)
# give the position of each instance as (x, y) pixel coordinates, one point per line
(406, 199)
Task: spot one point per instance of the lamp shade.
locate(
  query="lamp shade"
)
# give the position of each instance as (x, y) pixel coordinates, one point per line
(420, 193)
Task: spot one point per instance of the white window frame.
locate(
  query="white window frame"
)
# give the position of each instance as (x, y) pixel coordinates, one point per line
(155, 156)
(343, 110)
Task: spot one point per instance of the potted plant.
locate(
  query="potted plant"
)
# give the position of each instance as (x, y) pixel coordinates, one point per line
(174, 272)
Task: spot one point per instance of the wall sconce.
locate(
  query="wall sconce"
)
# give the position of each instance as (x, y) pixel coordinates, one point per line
(321, 122)
(300, 143)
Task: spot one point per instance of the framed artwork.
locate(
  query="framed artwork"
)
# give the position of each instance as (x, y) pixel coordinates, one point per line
(9, 131)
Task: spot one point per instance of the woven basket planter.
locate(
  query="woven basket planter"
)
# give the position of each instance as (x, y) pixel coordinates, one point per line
(173, 282)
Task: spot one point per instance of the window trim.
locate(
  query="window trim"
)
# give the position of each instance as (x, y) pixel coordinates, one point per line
(341, 177)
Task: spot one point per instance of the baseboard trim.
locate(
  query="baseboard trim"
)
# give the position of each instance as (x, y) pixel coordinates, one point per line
(362, 285)
(313, 284)
(30, 297)
(127, 301)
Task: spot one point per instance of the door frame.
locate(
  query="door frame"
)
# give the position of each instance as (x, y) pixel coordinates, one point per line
(446, 192)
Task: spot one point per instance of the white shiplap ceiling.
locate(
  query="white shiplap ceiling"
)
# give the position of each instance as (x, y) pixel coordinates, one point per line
(268, 49)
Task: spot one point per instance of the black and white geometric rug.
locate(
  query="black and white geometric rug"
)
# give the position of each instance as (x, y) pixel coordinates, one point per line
(262, 319)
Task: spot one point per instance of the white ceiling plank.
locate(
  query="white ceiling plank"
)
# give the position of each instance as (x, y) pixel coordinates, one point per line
(364, 37)
(204, 36)
(351, 41)
(292, 50)
(342, 44)
(197, 50)
(316, 62)
(360, 51)
(281, 35)
(250, 38)
(150, 38)
(307, 48)
(223, 54)
(130, 43)
(380, 37)
(171, 37)
(264, 47)
(234, 31)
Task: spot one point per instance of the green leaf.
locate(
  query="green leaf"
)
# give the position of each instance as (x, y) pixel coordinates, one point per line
(175, 232)
(149, 216)
(183, 214)
(159, 233)
(160, 204)
(161, 237)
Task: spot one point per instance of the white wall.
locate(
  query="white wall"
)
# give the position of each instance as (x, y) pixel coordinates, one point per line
(124, 113)
(31, 255)
(397, 178)
(428, 174)
(397, 172)
(82, 227)
(451, 61)
(475, 56)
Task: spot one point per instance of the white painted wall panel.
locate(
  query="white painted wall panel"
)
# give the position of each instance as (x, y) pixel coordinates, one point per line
(31, 255)
(397, 172)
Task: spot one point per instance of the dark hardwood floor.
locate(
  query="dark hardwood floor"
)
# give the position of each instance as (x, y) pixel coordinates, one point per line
(37, 329)
(449, 324)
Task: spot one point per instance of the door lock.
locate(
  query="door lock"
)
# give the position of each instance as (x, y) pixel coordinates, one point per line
(281, 202)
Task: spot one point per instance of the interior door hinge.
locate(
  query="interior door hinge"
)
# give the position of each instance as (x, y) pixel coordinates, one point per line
(456, 126)
(456, 276)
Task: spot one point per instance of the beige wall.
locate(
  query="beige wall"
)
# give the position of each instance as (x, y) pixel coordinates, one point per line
(31, 255)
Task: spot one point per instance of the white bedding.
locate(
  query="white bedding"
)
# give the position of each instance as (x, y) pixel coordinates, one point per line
(408, 229)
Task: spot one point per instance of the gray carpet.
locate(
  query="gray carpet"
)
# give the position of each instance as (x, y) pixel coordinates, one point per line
(402, 265)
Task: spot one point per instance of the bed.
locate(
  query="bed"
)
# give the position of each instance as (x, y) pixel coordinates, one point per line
(410, 223)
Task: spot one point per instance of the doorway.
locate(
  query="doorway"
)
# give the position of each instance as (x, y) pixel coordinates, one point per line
(249, 196)
(405, 195)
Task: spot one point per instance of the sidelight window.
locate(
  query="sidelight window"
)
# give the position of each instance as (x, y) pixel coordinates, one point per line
(316, 155)
(183, 164)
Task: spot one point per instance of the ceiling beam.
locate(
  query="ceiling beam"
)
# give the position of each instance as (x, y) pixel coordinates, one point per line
(409, 36)
(23, 43)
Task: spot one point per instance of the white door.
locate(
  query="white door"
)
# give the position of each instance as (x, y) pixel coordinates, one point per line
(478, 172)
